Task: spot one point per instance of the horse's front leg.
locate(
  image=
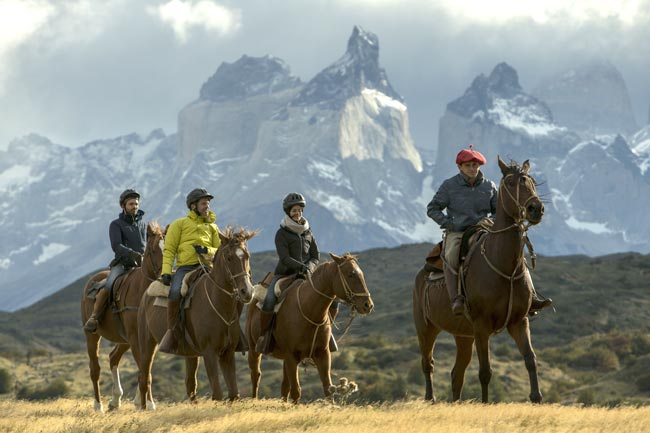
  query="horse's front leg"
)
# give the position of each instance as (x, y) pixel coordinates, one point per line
(323, 361)
(191, 370)
(291, 371)
(212, 368)
(520, 332)
(114, 361)
(92, 346)
(463, 357)
(427, 335)
(229, 371)
(484, 369)
(286, 385)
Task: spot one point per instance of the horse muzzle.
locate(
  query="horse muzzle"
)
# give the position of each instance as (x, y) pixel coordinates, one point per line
(364, 305)
(535, 211)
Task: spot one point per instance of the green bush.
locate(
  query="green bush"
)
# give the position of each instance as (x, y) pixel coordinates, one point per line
(599, 358)
(643, 383)
(57, 388)
(587, 397)
(6, 381)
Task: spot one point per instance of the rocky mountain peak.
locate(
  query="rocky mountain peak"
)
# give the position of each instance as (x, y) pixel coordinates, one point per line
(357, 70)
(248, 76)
(504, 81)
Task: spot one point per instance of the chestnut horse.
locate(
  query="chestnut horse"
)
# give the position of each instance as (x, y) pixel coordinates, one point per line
(498, 289)
(211, 321)
(303, 327)
(130, 288)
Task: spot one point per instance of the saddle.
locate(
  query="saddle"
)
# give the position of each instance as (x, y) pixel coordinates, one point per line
(280, 289)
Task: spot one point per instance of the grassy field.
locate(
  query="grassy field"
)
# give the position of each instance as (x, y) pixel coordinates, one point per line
(65, 415)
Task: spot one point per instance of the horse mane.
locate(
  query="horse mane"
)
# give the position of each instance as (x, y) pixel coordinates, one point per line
(238, 234)
(156, 228)
(348, 256)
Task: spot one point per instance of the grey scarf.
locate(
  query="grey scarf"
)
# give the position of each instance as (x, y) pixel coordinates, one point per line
(295, 227)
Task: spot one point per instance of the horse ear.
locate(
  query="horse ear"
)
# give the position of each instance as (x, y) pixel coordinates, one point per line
(336, 258)
(525, 167)
(503, 166)
(166, 228)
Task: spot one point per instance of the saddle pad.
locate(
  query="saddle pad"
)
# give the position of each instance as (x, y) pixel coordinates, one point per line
(157, 288)
(259, 293)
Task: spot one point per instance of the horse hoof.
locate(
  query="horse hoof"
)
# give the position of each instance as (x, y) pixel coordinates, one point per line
(150, 405)
(99, 407)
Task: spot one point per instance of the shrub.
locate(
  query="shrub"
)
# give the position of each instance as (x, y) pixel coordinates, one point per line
(6, 382)
(599, 358)
(57, 388)
(587, 397)
(643, 383)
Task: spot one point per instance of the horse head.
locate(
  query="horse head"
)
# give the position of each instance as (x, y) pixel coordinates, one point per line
(236, 262)
(153, 253)
(517, 193)
(351, 286)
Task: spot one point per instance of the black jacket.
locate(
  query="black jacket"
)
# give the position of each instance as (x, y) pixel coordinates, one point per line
(127, 234)
(295, 251)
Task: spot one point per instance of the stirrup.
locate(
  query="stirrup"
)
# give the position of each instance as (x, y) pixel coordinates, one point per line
(458, 305)
(169, 342)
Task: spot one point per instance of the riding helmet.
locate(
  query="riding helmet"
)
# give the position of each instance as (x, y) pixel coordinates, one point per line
(127, 194)
(292, 199)
(196, 195)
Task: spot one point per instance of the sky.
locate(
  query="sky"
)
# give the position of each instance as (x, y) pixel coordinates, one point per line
(81, 70)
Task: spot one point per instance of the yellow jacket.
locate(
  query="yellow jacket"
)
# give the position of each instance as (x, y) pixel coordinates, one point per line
(188, 231)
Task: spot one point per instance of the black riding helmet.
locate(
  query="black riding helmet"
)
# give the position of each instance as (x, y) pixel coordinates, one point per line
(196, 195)
(292, 199)
(127, 194)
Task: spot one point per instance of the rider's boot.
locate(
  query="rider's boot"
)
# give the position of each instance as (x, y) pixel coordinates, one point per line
(458, 300)
(538, 304)
(169, 342)
(334, 311)
(101, 299)
(262, 345)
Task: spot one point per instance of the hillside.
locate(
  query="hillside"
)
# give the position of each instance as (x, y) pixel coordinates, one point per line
(594, 348)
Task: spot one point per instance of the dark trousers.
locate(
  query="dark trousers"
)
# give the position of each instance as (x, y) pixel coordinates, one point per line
(177, 281)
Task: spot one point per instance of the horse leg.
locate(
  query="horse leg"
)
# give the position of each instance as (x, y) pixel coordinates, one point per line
(291, 370)
(323, 361)
(191, 370)
(212, 367)
(484, 368)
(92, 346)
(427, 335)
(520, 332)
(286, 386)
(114, 361)
(254, 362)
(148, 348)
(463, 357)
(227, 364)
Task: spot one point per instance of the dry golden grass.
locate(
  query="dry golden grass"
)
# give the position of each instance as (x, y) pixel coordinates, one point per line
(273, 416)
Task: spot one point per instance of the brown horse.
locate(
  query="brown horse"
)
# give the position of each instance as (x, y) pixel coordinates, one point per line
(211, 322)
(498, 289)
(303, 327)
(129, 289)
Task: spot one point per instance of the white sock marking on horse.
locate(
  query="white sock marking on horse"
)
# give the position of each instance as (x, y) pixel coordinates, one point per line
(99, 407)
(116, 401)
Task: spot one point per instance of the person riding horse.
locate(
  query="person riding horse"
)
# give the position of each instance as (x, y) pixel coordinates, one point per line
(191, 240)
(128, 236)
(298, 254)
(467, 197)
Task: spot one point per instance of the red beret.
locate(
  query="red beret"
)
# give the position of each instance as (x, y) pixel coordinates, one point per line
(469, 155)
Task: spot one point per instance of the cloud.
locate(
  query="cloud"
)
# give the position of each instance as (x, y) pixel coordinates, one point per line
(183, 16)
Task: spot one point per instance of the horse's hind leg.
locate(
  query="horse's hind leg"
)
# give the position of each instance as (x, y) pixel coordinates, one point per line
(463, 357)
(427, 334)
(286, 385)
(212, 368)
(148, 348)
(227, 364)
(92, 346)
(254, 361)
(520, 332)
(114, 361)
(191, 370)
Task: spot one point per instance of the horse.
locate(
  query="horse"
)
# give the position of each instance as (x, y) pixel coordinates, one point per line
(129, 288)
(211, 321)
(303, 327)
(498, 290)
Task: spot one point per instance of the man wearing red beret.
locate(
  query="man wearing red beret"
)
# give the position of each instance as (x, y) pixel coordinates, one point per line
(467, 197)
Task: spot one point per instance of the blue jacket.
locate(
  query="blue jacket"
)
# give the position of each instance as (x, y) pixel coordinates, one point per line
(127, 234)
(465, 204)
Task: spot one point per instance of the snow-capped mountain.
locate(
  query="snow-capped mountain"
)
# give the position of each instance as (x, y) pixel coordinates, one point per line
(595, 187)
(591, 99)
(255, 134)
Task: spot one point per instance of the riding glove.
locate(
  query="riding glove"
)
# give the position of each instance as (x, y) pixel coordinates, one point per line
(200, 249)
(166, 279)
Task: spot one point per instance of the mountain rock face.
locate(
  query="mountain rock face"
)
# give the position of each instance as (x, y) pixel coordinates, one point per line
(255, 134)
(596, 188)
(591, 99)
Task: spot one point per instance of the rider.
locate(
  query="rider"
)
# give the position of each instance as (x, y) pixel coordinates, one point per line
(297, 253)
(468, 197)
(191, 240)
(128, 236)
